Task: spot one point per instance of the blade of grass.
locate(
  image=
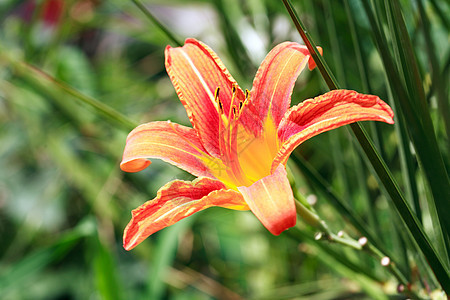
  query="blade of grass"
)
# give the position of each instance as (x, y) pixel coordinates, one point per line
(105, 271)
(333, 37)
(163, 257)
(384, 174)
(157, 23)
(341, 206)
(27, 70)
(33, 263)
(429, 155)
(425, 149)
(430, 47)
(439, 11)
(340, 263)
(234, 43)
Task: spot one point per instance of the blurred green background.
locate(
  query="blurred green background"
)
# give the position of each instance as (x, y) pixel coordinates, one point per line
(64, 202)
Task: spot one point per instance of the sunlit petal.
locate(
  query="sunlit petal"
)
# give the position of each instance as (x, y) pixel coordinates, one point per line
(171, 142)
(175, 201)
(272, 201)
(273, 84)
(326, 112)
(196, 72)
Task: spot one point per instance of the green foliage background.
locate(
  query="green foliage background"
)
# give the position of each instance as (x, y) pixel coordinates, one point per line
(71, 91)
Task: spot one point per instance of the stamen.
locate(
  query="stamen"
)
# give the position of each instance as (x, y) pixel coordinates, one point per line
(216, 93)
(242, 103)
(233, 96)
(216, 98)
(234, 111)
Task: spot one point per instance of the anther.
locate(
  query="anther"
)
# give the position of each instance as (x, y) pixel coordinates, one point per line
(216, 93)
(233, 89)
(247, 94)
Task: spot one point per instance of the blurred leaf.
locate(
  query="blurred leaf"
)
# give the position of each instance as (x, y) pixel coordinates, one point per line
(33, 263)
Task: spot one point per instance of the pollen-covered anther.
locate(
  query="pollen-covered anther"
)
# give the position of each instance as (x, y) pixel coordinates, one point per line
(216, 98)
(233, 89)
(242, 103)
(235, 111)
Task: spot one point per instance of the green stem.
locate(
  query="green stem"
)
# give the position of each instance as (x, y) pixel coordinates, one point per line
(156, 22)
(363, 244)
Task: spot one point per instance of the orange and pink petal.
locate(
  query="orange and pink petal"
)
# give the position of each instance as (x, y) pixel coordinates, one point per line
(272, 201)
(196, 72)
(171, 142)
(273, 84)
(176, 201)
(327, 112)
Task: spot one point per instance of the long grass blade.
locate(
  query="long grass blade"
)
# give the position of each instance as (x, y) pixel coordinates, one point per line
(157, 23)
(436, 75)
(384, 174)
(27, 70)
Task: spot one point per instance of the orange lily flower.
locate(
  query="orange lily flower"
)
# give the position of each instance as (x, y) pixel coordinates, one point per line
(240, 141)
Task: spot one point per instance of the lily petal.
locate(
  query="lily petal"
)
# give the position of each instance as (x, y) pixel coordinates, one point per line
(272, 201)
(175, 201)
(196, 72)
(171, 142)
(273, 84)
(326, 112)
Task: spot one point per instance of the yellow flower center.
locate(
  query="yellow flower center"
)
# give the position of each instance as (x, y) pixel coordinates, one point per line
(246, 157)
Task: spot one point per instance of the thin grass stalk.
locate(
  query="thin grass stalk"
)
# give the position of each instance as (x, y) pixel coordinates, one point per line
(345, 240)
(414, 88)
(411, 221)
(439, 11)
(24, 69)
(234, 43)
(406, 160)
(363, 74)
(157, 23)
(436, 76)
(164, 255)
(384, 174)
(338, 160)
(340, 205)
(300, 235)
(331, 82)
(366, 89)
(357, 49)
(332, 34)
(429, 155)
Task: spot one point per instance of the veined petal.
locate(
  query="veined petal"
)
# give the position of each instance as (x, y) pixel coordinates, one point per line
(175, 201)
(171, 142)
(273, 84)
(326, 112)
(196, 72)
(272, 201)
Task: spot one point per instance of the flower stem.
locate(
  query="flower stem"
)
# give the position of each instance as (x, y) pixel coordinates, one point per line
(311, 217)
